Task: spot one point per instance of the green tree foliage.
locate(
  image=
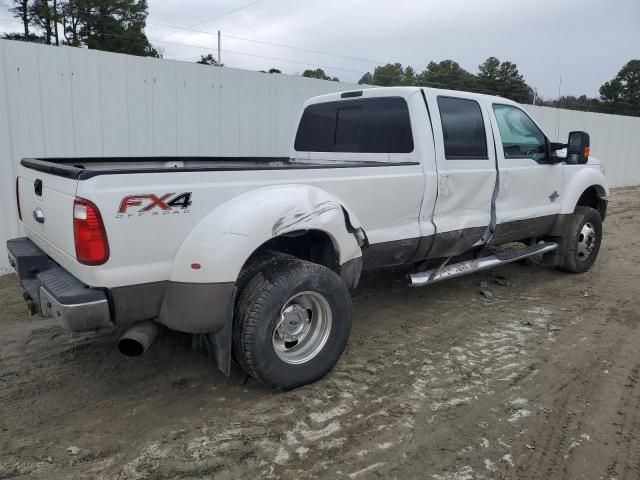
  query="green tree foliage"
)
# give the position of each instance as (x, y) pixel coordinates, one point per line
(70, 14)
(33, 38)
(274, 70)
(22, 11)
(114, 26)
(503, 79)
(570, 102)
(209, 59)
(410, 77)
(488, 73)
(319, 73)
(111, 25)
(623, 92)
(446, 74)
(45, 15)
(391, 74)
(494, 77)
(367, 79)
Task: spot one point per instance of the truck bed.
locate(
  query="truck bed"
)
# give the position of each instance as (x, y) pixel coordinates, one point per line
(144, 243)
(81, 168)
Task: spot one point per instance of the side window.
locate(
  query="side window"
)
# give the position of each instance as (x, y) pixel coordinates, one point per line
(521, 138)
(386, 127)
(368, 125)
(316, 131)
(462, 129)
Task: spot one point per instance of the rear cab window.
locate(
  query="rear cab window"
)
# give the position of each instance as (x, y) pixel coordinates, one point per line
(367, 125)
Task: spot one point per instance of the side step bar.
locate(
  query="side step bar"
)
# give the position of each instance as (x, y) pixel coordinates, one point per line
(445, 272)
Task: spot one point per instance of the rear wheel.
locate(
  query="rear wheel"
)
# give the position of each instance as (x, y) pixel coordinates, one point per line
(264, 260)
(292, 323)
(582, 241)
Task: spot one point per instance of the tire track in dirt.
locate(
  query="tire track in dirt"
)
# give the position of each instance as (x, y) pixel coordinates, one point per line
(587, 407)
(428, 390)
(628, 458)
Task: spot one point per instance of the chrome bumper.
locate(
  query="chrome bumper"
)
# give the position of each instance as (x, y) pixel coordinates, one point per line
(52, 291)
(77, 317)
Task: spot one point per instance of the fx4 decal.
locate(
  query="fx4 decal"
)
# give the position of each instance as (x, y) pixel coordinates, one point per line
(149, 203)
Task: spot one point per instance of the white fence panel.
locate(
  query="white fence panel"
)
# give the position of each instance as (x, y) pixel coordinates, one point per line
(75, 102)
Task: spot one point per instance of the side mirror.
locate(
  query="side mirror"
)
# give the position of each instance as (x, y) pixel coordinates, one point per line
(578, 148)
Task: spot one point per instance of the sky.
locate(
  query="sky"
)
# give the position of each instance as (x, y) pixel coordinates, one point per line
(566, 46)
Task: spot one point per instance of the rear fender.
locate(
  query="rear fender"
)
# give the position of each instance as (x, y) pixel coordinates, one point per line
(218, 246)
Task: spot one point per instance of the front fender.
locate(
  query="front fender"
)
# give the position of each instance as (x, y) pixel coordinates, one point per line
(226, 237)
(577, 179)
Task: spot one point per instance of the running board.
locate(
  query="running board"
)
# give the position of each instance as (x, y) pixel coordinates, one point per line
(445, 272)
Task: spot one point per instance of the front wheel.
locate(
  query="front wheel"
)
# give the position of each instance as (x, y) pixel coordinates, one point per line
(292, 323)
(582, 241)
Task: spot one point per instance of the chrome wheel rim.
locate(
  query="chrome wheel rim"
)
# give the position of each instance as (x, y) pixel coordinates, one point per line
(586, 241)
(303, 328)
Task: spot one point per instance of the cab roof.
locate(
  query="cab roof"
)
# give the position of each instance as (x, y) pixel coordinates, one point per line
(372, 92)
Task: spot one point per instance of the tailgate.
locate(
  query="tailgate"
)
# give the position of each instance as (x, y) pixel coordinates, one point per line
(46, 205)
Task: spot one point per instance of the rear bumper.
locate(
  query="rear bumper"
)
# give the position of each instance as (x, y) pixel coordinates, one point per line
(51, 291)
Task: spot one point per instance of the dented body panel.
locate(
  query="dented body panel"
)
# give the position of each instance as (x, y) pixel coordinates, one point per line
(225, 238)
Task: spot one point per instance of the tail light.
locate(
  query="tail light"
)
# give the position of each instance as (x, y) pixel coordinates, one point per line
(18, 197)
(92, 247)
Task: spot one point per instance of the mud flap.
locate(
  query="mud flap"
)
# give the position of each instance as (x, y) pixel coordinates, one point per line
(218, 345)
(350, 272)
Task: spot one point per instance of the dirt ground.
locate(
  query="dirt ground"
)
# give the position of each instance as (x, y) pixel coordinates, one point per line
(541, 381)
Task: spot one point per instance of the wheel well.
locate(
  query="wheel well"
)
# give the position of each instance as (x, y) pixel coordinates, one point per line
(312, 245)
(591, 197)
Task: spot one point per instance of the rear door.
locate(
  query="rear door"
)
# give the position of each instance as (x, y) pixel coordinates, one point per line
(46, 206)
(386, 200)
(466, 167)
(530, 187)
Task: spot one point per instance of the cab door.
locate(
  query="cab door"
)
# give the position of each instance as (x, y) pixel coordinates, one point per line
(530, 188)
(466, 166)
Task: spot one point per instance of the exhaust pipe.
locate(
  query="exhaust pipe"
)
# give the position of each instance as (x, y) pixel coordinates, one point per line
(138, 338)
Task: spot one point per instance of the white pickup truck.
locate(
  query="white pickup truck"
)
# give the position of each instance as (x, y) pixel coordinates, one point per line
(256, 256)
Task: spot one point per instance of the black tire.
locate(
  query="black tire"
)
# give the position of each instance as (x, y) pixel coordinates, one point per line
(259, 312)
(576, 258)
(261, 261)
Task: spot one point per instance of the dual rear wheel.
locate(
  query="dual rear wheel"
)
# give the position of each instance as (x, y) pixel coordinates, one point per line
(292, 320)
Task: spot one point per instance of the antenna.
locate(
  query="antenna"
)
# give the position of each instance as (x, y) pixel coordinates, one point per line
(558, 110)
